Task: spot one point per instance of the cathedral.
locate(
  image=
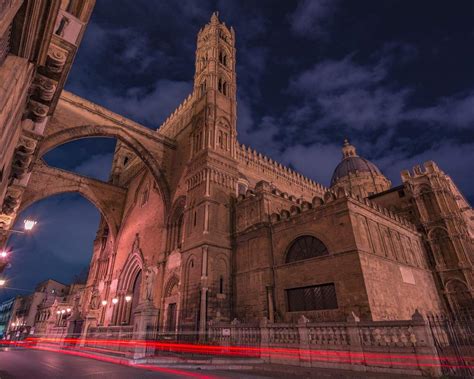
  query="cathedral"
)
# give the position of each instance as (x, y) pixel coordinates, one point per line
(248, 238)
(198, 228)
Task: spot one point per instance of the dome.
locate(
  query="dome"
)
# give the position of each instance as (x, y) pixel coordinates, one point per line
(351, 163)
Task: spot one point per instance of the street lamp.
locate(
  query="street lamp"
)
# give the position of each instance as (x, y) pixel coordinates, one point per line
(2, 282)
(104, 302)
(128, 298)
(114, 300)
(3, 254)
(28, 226)
(68, 310)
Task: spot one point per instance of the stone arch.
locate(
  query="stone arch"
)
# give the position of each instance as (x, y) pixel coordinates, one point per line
(46, 181)
(171, 303)
(192, 275)
(171, 286)
(442, 246)
(129, 284)
(175, 224)
(86, 131)
(134, 263)
(459, 295)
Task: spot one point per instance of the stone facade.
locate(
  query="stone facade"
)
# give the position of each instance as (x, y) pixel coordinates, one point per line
(197, 227)
(38, 43)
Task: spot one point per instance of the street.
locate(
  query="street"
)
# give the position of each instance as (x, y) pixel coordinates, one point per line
(24, 363)
(35, 364)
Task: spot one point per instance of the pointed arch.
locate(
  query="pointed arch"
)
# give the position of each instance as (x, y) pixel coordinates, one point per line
(120, 133)
(175, 224)
(171, 286)
(134, 263)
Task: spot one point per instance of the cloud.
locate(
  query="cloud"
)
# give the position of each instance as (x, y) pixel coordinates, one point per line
(337, 75)
(361, 97)
(97, 167)
(312, 17)
(456, 110)
(150, 106)
(316, 161)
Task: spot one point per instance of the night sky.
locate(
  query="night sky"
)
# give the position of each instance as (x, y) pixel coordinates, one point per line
(394, 76)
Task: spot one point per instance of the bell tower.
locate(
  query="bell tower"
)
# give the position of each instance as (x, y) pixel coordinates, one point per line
(211, 181)
(215, 90)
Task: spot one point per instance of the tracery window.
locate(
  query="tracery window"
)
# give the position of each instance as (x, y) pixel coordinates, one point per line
(305, 247)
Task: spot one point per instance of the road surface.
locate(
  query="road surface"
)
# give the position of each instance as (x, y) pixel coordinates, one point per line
(36, 364)
(19, 363)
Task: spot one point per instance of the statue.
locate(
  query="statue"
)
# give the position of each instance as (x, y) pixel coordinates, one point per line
(95, 299)
(149, 282)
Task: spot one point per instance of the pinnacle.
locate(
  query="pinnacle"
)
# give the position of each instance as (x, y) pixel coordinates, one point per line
(215, 17)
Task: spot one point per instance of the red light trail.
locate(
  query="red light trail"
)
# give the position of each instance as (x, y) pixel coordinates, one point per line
(362, 358)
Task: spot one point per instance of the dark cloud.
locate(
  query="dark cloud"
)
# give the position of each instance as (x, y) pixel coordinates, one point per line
(311, 17)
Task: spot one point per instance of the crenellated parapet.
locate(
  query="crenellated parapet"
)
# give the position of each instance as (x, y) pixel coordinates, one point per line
(263, 164)
(300, 206)
(179, 118)
(428, 167)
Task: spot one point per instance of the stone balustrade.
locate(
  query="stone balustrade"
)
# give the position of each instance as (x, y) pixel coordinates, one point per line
(403, 347)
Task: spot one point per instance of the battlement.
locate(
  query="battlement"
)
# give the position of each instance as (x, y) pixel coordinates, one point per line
(247, 154)
(178, 119)
(301, 206)
(428, 168)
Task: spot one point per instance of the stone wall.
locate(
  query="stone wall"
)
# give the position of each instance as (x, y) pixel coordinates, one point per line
(374, 256)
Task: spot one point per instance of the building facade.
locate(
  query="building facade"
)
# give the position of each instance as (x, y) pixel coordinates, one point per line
(197, 227)
(6, 308)
(26, 308)
(38, 42)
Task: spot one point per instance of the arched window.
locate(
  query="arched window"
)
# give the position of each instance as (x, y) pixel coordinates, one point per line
(223, 58)
(202, 88)
(222, 86)
(305, 247)
(461, 300)
(175, 225)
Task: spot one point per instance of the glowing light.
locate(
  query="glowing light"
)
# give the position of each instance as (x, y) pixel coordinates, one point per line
(13, 324)
(68, 310)
(2, 282)
(63, 311)
(3, 254)
(128, 298)
(29, 224)
(104, 302)
(114, 300)
(328, 356)
(58, 312)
